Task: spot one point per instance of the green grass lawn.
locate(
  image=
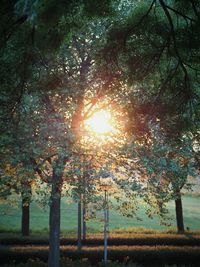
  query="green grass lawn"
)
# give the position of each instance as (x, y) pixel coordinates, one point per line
(11, 217)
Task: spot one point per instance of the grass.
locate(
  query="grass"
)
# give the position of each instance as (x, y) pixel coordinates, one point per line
(10, 219)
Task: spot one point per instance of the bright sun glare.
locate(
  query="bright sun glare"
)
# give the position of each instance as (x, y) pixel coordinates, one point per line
(100, 122)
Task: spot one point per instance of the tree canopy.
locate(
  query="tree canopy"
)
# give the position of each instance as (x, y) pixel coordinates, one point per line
(61, 61)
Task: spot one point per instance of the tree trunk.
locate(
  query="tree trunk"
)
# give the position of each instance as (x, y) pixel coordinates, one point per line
(105, 230)
(84, 222)
(54, 217)
(26, 199)
(179, 213)
(79, 225)
(25, 218)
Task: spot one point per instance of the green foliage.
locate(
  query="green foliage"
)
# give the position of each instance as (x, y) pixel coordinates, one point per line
(153, 51)
(96, 8)
(52, 77)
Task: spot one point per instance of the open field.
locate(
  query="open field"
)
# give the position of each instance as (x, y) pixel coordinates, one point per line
(10, 218)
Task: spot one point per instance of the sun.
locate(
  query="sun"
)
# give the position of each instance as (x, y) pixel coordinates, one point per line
(100, 123)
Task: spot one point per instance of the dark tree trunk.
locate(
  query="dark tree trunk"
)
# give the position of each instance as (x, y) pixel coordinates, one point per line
(79, 226)
(54, 227)
(25, 217)
(179, 213)
(26, 199)
(84, 222)
(54, 217)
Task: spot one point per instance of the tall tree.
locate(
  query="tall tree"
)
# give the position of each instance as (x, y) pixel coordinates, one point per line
(47, 98)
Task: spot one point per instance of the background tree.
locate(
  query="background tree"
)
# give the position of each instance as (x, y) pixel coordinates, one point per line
(167, 164)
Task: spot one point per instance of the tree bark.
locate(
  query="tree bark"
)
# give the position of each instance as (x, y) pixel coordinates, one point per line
(179, 213)
(79, 226)
(26, 199)
(25, 228)
(54, 217)
(84, 222)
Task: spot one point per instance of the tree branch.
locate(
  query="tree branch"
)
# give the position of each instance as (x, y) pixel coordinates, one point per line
(179, 13)
(195, 9)
(130, 31)
(174, 41)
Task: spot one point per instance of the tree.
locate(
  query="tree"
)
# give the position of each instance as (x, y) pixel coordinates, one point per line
(168, 164)
(51, 127)
(46, 90)
(48, 59)
(17, 179)
(156, 50)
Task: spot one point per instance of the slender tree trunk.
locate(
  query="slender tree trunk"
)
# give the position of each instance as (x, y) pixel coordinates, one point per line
(105, 229)
(26, 199)
(85, 174)
(84, 222)
(107, 214)
(54, 217)
(25, 218)
(179, 213)
(79, 225)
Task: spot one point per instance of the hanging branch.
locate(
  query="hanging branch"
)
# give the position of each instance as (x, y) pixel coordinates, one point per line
(179, 13)
(186, 79)
(130, 31)
(195, 9)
